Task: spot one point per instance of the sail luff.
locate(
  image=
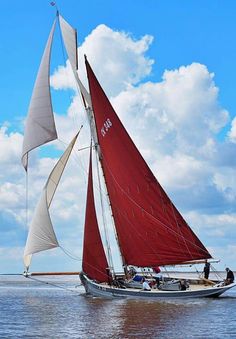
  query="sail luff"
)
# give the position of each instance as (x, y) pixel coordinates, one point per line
(124, 264)
(69, 35)
(150, 229)
(40, 126)
(94, 263)
(41, 234)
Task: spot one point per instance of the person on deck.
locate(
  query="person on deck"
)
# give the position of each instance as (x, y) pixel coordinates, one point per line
(146, 286)
(157, 274)
(182, 285)
(229, 277)
(206, 270)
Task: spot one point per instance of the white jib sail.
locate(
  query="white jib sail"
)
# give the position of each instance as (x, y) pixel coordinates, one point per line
(41, 235)
(70, 40)
(40, 126)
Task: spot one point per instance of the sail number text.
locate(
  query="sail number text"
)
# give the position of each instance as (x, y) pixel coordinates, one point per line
(105, 127)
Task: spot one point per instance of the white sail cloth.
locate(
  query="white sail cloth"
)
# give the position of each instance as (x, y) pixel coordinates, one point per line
(69, 36)
(41, 235)
(40, 126)
(70, 40)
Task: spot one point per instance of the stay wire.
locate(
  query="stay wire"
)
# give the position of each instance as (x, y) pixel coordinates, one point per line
(216, 272)
(70, 255)
(52, 284)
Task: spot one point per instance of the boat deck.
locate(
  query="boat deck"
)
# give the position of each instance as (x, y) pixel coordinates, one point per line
(192, 287)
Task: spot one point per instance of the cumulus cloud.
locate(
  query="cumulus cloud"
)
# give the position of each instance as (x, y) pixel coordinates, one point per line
(213, 222)
(182, 109)
(122, 57)
(226, 255)
(174, 122)
(12, 191)
(232, 132)
(63, 78)
(225, 181)
(10, 150)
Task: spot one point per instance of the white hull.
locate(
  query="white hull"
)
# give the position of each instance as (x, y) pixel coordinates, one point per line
(105, 291)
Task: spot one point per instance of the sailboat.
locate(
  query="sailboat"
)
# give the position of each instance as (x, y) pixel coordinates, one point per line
(149, 229)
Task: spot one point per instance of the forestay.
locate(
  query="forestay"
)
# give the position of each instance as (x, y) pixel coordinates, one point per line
(41, 235)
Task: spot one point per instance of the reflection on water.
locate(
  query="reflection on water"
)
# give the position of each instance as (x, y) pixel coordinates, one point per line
(29, 310)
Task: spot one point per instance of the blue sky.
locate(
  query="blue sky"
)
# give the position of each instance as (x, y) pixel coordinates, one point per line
(182, 57)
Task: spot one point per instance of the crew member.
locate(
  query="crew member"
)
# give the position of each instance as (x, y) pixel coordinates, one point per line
(229, 277)
(206, 270)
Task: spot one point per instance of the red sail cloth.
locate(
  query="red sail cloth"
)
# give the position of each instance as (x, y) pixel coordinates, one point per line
(94, 262)
(150, 229)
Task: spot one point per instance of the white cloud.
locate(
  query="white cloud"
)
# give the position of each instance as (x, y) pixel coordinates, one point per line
(63, 78)
(174, 122)
(11, 195)
(179, 171)
(232, 132)
(226, 255)
(10, 151)
(225, 181)
(12, 189)
(215, 224)
(182, 111)
(121, 56)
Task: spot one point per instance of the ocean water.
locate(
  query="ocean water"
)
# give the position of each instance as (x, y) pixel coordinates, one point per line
(59, 308)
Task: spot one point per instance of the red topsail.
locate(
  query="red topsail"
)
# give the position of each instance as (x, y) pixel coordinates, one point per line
(150, 229)
(94, 259)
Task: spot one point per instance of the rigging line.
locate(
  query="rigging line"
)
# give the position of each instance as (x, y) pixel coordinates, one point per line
(100, 271)
(95, 268)
(69, 254)
(84, 148)
(98, 152)
(98, 187)
(103, 217)
(78, 162)
(199, 273)
(5, 274)
(61, 162)
(26, 202)
(164, 208)
(216, 272)
(101, 191)
(166, 271)
(163, 198)
(180, 231)
(141, 236)
(50, 283)
(163, 195)
(67, 75)
(148, 213)
(79, 149)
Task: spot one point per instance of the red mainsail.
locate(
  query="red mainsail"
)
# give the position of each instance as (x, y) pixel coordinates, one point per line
(150, 229)
(94, 262)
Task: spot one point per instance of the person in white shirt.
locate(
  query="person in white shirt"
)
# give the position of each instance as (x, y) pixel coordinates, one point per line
(146, 286)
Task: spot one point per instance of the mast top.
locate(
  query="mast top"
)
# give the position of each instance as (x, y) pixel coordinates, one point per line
(54, 4)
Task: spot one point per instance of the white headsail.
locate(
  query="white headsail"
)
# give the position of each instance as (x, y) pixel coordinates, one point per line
(40, 126)
(70, 40)
(41, 235)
